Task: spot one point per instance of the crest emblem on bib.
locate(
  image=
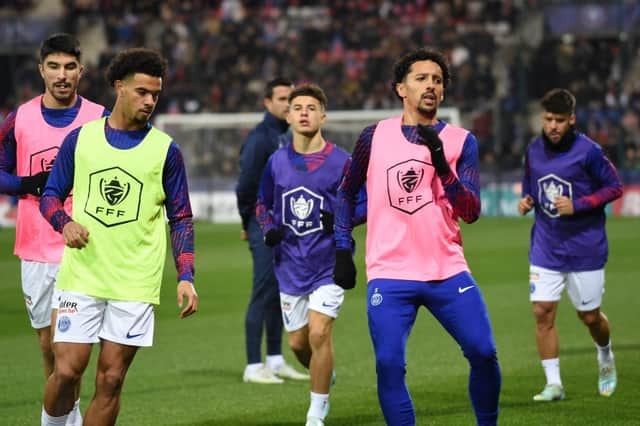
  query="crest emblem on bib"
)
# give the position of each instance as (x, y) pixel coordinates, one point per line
(549, 188)
(405, 186)
(410, 179)
(114, 197)
(301, 210)
(114, 192)
(42, 161)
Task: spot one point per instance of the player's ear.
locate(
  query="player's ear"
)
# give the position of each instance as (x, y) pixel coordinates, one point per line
(118, 85)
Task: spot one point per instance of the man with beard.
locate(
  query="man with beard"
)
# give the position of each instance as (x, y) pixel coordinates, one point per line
(30, 138)
(568, 180)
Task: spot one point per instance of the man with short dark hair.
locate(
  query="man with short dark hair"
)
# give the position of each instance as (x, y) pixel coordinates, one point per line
(124, 174)
(568, 180)
(421, 176)
(296, 205)
(263, 312)
(30, 138)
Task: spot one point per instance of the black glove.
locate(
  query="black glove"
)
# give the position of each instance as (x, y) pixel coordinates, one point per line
(35, 184)
(327, 221)
(344, 271)
(274, 236)
(429, 137)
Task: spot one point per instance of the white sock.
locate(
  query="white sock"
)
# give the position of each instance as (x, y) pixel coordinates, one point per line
(605, 354)
(317, 405)
(75, 416)
(252, 368)
(47, 420)
(275, 361)
(552, 371)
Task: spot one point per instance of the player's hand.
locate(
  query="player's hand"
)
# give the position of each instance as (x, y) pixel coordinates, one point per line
(525, 205)
(188, 291)
(243, 235)
(75, 235)
(327, 220)
(564, 205)
(274, 236)
(428, 136)
(344, 270)
(35, 184)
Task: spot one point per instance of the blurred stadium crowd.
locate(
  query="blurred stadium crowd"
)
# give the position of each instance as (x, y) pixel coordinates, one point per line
(504, 53)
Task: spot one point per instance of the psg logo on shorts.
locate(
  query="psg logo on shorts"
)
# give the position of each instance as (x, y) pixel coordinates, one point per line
(376, 298)
(64, 323)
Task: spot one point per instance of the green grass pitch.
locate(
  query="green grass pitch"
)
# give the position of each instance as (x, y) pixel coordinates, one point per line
(192, 375)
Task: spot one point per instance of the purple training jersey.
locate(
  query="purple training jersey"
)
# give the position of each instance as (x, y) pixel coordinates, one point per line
(584, 174)
(304, 259)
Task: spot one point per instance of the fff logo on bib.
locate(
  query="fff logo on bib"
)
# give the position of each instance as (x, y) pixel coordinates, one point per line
(114, 197)
(301, 210)
(407, 185)
(549, 188)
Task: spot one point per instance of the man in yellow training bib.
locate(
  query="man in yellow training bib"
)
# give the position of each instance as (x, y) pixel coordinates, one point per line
(124, 174)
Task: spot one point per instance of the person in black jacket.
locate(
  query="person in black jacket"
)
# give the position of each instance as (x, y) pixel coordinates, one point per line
(264, 310)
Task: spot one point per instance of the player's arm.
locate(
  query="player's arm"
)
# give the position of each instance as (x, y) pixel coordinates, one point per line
(353, 179)
(360, 210)
(273, 233)
(463, 192)
(252, 159)
(178, 205)
(526, 203)
(56, 192)
(10, 183)
(606, 175)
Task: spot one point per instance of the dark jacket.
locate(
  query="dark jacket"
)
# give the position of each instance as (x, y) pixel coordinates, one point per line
(261, 142)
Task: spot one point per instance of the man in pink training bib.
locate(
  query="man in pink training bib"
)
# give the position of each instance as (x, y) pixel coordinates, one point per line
(30, 138)
(421, 176)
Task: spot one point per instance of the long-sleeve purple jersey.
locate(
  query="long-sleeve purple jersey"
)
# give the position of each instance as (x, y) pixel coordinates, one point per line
(584, 174)
(463, 192)
(293, 191)
(174, 183)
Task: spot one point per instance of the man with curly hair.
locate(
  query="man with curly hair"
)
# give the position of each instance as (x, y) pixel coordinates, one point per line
(421, 176)
(124, 174)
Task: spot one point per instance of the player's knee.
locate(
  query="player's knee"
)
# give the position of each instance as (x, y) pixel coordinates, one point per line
(110, 382)
(318, 336)
(297, 344)
(543, 314)
(590, 318)
(481, 354)
(390, 364)
(66, 374)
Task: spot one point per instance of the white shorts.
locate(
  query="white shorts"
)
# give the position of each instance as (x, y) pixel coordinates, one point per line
(87, 319)
(326, 299)
(38, 281)
(584, 288)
